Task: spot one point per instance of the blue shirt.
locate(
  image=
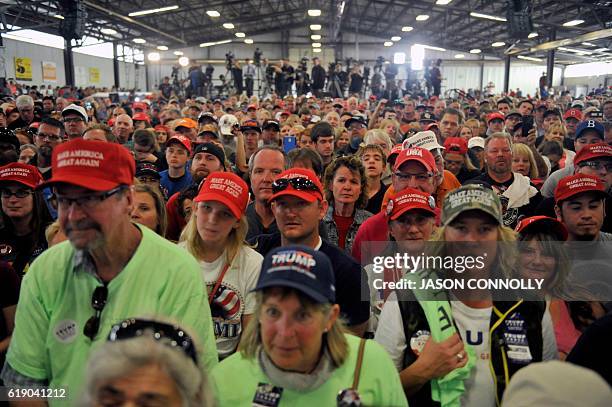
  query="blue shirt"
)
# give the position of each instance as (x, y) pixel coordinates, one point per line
(170, 186)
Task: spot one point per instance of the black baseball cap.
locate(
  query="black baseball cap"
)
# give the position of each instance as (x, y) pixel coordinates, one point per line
(271, 123)
(213, 149)
(8, 136)
(355, 119)
(299, 267)
(427, 117)
(206, 115)
(146, 168)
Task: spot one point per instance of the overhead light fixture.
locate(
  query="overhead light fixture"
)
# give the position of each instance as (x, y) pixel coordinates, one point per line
(573, 23)
(314, 12)
(153, 11)
(229, 26)
(459, 56)
(178, 53)
(183, 61)
(589, 44)
(316, 50)
(396, 38)
(422, 17)
(533, 35)
(443, 2)
(315, 37)
(108, 31)
(388, 43)
(154, 56)
(316, 45)
(210, 44)
(487, 17)
(431, 47)
(600, 49)
(240, 35)
(475, 51)
(139, 40)
(498, 44)
(162, 48)
(248, 41)
(315, 27)
(529, 58)
(407, 28)
(576, 50)
(59, 16)
(213, 13)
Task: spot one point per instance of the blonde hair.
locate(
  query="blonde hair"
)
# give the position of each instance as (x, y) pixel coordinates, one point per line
(52, 230)
(522, 149)
(195, 245)
(160, 205)
(334, 339)
(387, 122)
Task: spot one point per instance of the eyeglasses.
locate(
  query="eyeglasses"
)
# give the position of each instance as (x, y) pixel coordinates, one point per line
(597, 165)
(50, 137)
(167, 334)
(98, 301)
(88, 201)
(421, 177)
(20, 193)
(298, 183)
(73, 119)
(148, 180)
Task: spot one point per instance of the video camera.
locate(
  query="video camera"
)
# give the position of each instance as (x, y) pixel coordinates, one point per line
(257, 56)
(303, 64)
(379, 62)
(229, 60)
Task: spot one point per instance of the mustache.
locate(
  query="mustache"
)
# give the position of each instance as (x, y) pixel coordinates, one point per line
(82, 225)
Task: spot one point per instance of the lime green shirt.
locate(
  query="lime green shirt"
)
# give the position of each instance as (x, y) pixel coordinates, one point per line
(236, 380)
(55, 302)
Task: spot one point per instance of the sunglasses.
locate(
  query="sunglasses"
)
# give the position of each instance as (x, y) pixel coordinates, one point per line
(167, 334)
(298, 183)
(98, 301)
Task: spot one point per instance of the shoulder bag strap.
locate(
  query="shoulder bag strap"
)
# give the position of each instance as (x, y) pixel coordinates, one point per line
(359, 363)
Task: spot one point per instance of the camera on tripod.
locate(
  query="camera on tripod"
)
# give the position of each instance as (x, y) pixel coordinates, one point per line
(379, 62)
(303, 65)
(257, 56)
(229, 60)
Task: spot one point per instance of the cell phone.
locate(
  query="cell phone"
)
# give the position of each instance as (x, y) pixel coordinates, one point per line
(527, 125)
(289, 143)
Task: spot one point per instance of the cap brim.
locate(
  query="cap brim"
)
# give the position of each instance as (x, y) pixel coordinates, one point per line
(548, 225)
(308, 197)
(280, 282)
(29, 185)
(148, 172)
(603, 194)
(80, 181)
(490, 213)
(211, 196)
(418, 208)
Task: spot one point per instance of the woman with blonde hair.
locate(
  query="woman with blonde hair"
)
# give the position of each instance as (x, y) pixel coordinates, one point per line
(392, 128)
(342, 138)
(215, 236)
(557, 132)
(523, 161)
(150, 208)
(296, 351)
(424, 329)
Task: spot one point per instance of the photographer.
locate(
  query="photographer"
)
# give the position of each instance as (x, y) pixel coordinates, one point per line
(302, 82)
(268, 70)
(376, 85)
(318, 77)
(289, 72)
(355, 81)
(249, 75)
(237, 75)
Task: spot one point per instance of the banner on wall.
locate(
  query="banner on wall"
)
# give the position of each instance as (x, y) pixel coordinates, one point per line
(23, 69)
(94, 75)
(49, 71)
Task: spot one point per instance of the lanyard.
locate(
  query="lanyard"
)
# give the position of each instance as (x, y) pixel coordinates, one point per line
(211, 295)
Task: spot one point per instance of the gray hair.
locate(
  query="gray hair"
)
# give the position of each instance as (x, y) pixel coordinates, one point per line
(126, 115)
(499, 135)
(273, 148)
(24, 101)
(114, 360)
(30, 146)
(374, 135)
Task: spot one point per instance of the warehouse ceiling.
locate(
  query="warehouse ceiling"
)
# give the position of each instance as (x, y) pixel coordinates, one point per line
(451, 26)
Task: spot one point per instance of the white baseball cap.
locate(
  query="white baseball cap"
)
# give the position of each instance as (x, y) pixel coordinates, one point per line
(424, 139)
(226, 123)
(476, 142)
(75, 109)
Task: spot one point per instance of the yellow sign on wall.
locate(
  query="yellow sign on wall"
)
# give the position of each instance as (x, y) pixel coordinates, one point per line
(23, 69)
(49, 71)
(94, 75)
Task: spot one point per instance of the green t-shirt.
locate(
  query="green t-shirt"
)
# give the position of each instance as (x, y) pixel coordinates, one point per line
(48, 342)
(236, 380)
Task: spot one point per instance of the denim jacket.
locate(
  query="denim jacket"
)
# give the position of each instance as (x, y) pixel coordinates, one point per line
(359, 217)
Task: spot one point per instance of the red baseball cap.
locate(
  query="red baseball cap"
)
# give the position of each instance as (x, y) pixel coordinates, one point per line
(575, 113)
(24, 174)
(591, 151)
(430, 126)
(34, 125)
(496, 115)
(252, 106)
(143, 117)
(543, 223)
(226, 188)
(182, 140)
(410, 199)
(395, 150)
(576, 184)
(456, 145)
(310, 189)
(186, 122)
(140, 105)
(418, 154)
(161, 127)
(92, 165)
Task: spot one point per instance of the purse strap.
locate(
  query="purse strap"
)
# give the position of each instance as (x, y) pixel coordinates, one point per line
(359, 363)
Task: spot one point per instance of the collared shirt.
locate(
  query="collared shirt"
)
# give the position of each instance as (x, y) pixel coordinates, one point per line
(249, 71)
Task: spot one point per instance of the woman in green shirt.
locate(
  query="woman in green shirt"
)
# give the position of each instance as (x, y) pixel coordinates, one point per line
(296, 351)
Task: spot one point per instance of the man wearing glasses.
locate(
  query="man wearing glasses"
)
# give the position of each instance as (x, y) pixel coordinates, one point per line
(50, 135)
(75, 121)
(109, 270)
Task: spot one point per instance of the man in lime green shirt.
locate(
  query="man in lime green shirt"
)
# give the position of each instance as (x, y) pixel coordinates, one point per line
(110, 270)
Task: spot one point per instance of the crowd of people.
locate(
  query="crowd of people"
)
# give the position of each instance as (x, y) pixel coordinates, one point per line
(197, 252)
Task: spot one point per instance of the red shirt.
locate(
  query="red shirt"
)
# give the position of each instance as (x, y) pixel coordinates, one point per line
(343, 223)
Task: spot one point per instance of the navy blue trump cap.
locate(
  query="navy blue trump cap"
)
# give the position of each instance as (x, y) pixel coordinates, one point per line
(299, 267)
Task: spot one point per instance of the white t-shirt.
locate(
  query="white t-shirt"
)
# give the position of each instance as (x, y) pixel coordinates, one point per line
(473, 324)
(233, 299)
